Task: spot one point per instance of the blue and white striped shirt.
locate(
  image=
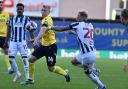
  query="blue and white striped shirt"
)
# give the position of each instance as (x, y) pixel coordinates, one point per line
(18, 28)
(84, 31)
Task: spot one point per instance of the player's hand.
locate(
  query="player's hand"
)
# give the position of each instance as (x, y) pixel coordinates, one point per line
(125, 67)
(35, 44)
(71, 32)
(35, 47)
(5, 45)
(30, 29)
(31, 40)
(48, 28)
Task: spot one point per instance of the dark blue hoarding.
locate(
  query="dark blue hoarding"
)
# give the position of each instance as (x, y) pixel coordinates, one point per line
(110, 36)
(107, 36)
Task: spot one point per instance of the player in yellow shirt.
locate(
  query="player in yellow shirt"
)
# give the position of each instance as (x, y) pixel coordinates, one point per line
(48, 48)
(4, 18)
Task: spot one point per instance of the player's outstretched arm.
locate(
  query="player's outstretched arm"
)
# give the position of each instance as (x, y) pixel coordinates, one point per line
(72, 32)
(7, 36)
(31, 33)
(8, 33)
(59, 28)
(42, 31)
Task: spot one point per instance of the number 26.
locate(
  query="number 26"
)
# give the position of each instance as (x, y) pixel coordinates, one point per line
(89, 33)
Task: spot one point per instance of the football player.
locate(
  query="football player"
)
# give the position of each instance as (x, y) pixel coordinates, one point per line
(4, 19)
(124, 21)
(17, 40)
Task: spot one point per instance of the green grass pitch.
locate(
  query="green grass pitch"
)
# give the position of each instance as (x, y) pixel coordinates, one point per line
(111, 74)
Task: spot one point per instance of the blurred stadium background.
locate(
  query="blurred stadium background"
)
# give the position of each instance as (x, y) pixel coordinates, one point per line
(111, 41)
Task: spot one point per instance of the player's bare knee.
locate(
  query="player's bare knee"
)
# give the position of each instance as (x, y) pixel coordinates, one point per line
(6, 51)
(32, 59)
(51, 69)
(75, 62)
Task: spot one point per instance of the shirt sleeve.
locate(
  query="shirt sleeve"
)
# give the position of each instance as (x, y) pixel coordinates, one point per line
(10, 21)
(8, 18)
(47, 21)
(74, 25)
(45, 24)
(28, 20)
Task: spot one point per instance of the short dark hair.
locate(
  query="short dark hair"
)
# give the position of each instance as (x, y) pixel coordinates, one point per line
(83, 13)
(20, 4)
(124, 14)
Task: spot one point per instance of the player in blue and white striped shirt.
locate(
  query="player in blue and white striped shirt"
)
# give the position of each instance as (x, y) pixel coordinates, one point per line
(17, 37)
(18, 28)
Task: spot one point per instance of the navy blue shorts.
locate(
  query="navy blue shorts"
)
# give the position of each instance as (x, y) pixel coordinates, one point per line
(2, 41)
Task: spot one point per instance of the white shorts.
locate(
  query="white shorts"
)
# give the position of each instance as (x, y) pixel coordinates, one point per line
(15, 47)
(87, 59)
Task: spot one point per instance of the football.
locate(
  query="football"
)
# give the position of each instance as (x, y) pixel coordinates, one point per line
(31, 26)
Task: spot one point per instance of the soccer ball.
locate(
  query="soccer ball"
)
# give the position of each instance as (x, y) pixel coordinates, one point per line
(31, 26)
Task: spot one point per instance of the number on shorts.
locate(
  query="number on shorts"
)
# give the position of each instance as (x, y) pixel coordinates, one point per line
(25, 47)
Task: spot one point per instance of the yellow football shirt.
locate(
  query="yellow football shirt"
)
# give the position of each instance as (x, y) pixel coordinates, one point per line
(48, 37)
(4, 18)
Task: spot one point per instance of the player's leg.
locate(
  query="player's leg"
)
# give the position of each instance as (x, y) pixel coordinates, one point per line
(57, 69)
(31, 71)
(7, 60)
(88, 61)
(22, 46)
(96, 70)
(51, 60)
(77, 61)
(31, 67)
(5, 49)
(125, 66)
(38, 53)
(12, 53)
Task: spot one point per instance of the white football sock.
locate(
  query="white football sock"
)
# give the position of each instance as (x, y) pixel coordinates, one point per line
(95, 79)
(14, 65)
(26, 65)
